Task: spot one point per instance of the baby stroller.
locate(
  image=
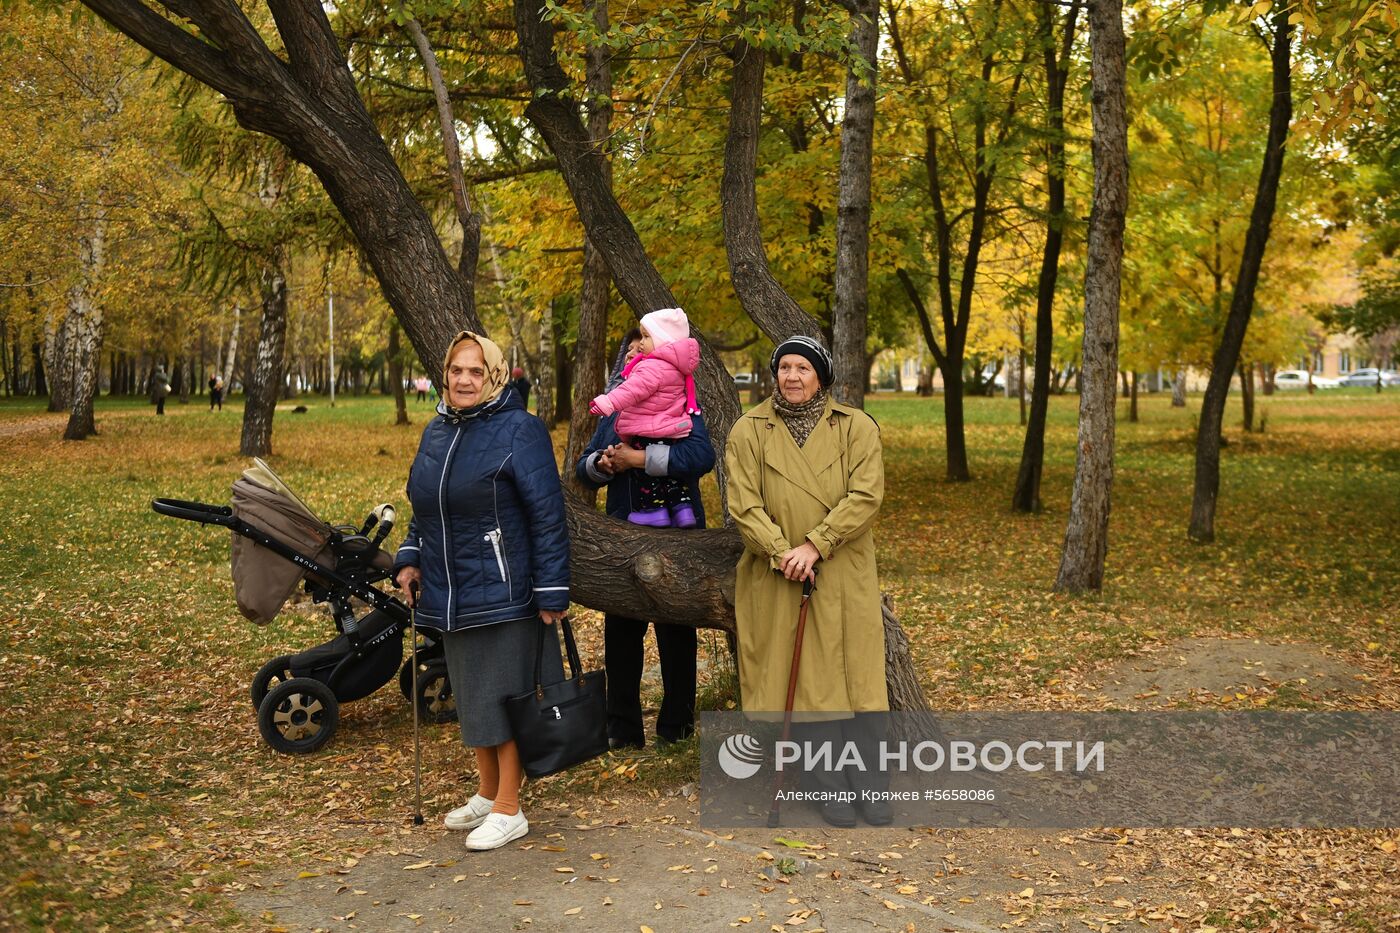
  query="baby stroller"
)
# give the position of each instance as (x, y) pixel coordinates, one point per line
(279, 542)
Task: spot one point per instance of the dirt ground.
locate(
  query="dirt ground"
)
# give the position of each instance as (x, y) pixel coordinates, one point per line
(644, 864)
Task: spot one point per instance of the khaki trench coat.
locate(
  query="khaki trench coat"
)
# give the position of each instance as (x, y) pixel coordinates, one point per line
(828, 492)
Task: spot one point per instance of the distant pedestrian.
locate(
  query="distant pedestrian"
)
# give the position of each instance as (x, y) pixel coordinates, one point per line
(521, 385)
(421, 384)
(160, 389)
(216, 392)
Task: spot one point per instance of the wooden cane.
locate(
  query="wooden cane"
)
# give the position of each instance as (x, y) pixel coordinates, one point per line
(807, 587)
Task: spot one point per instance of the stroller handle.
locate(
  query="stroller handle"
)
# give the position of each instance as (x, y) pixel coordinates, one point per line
(200, 512)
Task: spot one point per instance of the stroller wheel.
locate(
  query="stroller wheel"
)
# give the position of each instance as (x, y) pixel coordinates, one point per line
(274, 672)
(298, 716)
(435, 700)
(428, 651)
(406, 679)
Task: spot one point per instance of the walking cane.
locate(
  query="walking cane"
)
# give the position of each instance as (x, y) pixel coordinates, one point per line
(417, 746)
(807, 587)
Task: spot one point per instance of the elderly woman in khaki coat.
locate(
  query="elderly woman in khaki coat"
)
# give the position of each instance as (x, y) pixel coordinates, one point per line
(806, 479)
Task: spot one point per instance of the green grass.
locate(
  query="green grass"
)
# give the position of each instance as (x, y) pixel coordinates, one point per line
(132, 751)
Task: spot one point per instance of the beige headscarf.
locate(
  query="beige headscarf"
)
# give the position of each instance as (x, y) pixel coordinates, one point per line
(497, 373)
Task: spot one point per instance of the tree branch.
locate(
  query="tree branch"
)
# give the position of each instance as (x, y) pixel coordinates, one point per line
(171, 44)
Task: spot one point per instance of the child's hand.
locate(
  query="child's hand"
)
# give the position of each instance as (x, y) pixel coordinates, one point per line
(593, 409)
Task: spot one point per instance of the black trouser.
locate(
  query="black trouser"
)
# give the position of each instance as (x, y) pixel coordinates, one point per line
(160, 405)
(622, 648)
(866, 730)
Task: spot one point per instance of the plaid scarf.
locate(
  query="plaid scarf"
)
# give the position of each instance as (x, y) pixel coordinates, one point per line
(800, 419)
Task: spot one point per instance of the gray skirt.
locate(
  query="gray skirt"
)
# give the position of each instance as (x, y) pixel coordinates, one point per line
(488, 663)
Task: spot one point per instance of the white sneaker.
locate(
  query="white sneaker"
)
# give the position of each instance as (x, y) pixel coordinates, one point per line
(469, 816)
(498, 829)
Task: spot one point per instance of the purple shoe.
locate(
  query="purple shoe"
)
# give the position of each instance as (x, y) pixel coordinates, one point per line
(654, 518)
(683, 515)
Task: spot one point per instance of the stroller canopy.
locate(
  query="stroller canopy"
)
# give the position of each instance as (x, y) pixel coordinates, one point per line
(262, 581)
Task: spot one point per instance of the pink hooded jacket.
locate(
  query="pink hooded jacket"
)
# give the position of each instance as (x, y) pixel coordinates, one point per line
(658, 396)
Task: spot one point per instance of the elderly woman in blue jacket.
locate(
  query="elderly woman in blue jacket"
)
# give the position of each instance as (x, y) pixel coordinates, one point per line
(486, 559)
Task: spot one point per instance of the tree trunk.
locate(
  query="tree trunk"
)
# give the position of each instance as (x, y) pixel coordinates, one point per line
(852, 281)
(86, 338)
(563, 377)
(955, 435)
(1086, 538)
(41, 385)
(232, 352)
(5, 369)
(646, 574)
(1179, 389)
(1247, 395)
(765, 301)
(17, 364)
(395, 356)
(260, 388)
(1132, 398)
(1026, 497)
(544, 391)
(1207, 487)
(58, 355)
(950, 365)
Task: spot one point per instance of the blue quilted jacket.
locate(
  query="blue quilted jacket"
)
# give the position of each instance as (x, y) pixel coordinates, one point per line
(488, 531)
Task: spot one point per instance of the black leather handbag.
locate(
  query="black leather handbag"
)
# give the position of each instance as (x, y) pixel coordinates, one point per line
(557, 726)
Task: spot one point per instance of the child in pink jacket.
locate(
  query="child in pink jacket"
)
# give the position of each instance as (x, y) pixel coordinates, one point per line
(653, 406)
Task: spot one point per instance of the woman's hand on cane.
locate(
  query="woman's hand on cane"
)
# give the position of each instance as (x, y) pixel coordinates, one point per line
(550, 616)
(799, 563)
(409, 579)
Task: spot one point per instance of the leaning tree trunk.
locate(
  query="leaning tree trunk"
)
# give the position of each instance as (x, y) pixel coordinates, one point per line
(1086, 538)
(265, 376)
(554, 113)
(469, 220)
(765, 301)
(87, 331)
(1202, 526)
(852, 277)
(305, 96)
(590, 352)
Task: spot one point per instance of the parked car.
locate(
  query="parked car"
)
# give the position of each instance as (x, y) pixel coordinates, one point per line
(1298, 379)
(744, 380)
(1367, 377)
